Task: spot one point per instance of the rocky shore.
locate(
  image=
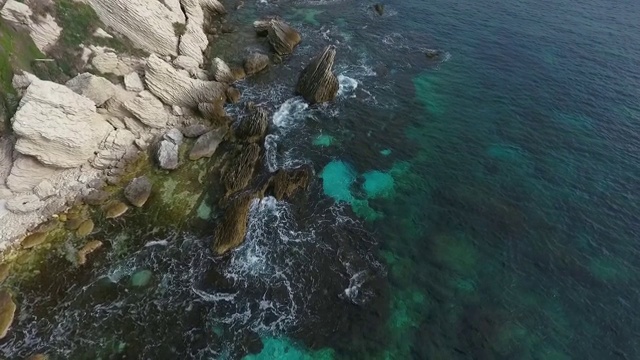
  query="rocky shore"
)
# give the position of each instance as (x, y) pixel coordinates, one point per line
(70, 140)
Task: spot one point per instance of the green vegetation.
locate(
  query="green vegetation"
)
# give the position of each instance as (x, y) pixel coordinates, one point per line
(17, 50)
(179, 28)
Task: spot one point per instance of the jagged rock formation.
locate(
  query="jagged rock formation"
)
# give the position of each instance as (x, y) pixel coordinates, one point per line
(147, 23)
(231, 231)
(285, 183)
(255, 62)
(253, 127)
(317, 83)
(221, 72)
(148, 109)
(94, 87)
(138, 191)
(57, 126)
(43, 29)
(282, 37)
(194, 40)
(238, 173)
(207, 144)
(174, 88)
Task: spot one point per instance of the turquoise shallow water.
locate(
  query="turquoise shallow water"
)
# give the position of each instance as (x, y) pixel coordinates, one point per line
(483, 206)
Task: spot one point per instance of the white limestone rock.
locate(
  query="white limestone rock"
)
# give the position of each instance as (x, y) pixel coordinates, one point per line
(187, 63)
(111, 63)
(24, 204)
(114, 148)
(43, 29)
(21, 82)
(57, 126)
(45, 190)
(102, 34)
(136, 127)
(132, 82)
(94, 87)
(148, 109)
(174, 88)
(168, 149)
(27, 172)
(147, 23)
(221, 71)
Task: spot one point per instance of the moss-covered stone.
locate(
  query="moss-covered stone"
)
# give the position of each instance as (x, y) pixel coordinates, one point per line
(87, 249)
(85, 228)
(33, 240)
(5, 269)
(115, 209)
(7, 312)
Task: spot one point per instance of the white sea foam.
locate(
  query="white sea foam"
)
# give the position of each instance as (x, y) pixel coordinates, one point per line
(157, 243)
(290, 113)
(347, 85)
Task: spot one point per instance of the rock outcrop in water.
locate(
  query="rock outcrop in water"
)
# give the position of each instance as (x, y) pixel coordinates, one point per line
(282, 37)
(253, 128)
(221, 72)
(231, 231)
(286, 182)
(317, 83)
(255, 62)
(237, 175)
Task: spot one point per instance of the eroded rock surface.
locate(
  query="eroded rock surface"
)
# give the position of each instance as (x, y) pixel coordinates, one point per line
(317, 82)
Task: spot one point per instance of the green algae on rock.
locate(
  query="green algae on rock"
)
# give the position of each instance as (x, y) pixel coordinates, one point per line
(7, 312)
(5, 269)
(88, 248)
(115, 209)
(85, 228)
(33, 240)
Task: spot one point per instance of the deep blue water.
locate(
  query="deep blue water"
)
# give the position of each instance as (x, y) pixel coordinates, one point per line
(481, 206)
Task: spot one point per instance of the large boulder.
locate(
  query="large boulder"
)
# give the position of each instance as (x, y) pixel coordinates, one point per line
(221, 71)
(282, 37)
(169, 150)
(237, 175)
(43, 28)
(253, 127)
(317, 83)
(207, 144)
(286, 182)
(57, 126)
(149, 24)
(255, 62)
(231, 231)
(94, 87)
(174, 88)
(138, 191)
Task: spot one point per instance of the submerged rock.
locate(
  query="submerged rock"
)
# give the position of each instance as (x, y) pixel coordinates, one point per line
(115, 209)
(33, 240)
(7, 312)
(207, 144)
(233, 95)
(282, 37)
(379, 8)
(38, 357)
(138, 191)
(433, 54)
(253, 127)
(5, 269)
(285, 183)
(73, 224)
(85, 228)
(238, 173)
(141, 278)
(87, 249)
(255, 62)
(317, 83)
(231, 231)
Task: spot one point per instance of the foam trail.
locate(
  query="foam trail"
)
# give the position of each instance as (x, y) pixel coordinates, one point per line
(347, 85)
(290, 113)
(157, 243)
